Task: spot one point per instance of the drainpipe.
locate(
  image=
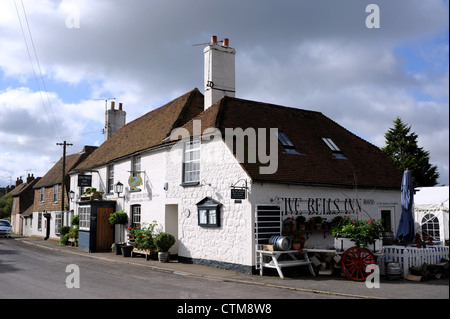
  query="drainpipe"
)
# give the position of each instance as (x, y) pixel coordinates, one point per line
(47, 217)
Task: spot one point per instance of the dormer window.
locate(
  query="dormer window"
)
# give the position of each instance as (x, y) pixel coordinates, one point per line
(337, 153)
(288, 146)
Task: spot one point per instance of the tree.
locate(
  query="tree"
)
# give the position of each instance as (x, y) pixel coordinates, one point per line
(401, 147)
(6, 206)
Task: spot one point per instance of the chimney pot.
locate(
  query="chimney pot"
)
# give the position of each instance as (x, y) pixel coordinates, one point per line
(214, 39)
(112, 105)
(226, 42)
(120, 106)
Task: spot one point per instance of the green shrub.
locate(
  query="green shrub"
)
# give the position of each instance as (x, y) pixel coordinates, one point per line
(163, 241)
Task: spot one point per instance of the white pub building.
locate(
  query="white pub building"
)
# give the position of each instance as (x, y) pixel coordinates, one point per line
(214, 169)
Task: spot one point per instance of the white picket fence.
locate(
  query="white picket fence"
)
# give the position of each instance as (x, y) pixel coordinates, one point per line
(412, 257)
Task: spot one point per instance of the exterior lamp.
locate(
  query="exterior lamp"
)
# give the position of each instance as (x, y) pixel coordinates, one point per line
(71, 195)
(118, 188)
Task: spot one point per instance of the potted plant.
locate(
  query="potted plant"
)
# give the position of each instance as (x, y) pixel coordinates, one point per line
(298, 240)
(418, 239)
(163, 242)
(301, 222)
(118, 218)
(318, 222)
(363, 234)
(288, 225)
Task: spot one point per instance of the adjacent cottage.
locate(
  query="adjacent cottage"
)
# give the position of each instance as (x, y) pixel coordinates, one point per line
(48, 199)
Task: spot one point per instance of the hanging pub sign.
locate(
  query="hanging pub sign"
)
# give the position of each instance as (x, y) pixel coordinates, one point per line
(134, 181)
(84, 180)
(237, 193)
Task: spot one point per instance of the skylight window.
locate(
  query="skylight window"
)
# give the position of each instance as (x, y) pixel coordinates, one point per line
(337, 153)
(289, 147)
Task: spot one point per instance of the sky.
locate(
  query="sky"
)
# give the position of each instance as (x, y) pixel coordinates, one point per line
(360, 65)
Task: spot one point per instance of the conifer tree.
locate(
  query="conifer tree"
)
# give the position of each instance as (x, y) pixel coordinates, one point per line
(401, 147)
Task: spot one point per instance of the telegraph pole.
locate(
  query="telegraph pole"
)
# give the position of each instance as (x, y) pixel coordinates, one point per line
(64, 145)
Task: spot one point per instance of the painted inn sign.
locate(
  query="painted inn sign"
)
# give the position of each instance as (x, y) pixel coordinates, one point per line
(322, 205)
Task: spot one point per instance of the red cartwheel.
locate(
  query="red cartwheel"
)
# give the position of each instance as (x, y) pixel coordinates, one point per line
(354, 263)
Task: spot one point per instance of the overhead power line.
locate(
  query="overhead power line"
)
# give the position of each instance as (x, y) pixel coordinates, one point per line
(51, 118)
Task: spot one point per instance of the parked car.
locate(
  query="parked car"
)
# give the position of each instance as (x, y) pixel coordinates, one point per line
(5, 228)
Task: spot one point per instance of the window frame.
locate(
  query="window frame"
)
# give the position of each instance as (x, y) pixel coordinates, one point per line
(136, 215)
(191, 162)
(206, 210)
(84, 212)
(42, 195)
(110, 178)
(335, 150)
(288, 146)
(55, 193)
(58, 222)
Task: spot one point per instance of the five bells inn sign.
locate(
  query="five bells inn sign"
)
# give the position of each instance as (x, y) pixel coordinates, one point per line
(322, 205)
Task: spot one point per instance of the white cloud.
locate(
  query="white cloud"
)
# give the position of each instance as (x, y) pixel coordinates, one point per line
(311, 54)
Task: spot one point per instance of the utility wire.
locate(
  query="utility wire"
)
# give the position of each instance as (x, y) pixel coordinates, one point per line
(55, 123)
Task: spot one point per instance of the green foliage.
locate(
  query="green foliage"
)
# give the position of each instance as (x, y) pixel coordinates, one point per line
(119, 217)
(75, 220)
(143, 235)
(163, 241)
(402, 148)
(6, 203)
(362, 232)
(64, 230)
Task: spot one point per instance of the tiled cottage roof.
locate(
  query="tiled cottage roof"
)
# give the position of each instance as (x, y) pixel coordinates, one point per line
(365, 165)
(54, 175)
(147, 131)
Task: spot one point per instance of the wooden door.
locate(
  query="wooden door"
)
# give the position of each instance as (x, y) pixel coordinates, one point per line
(104, 229)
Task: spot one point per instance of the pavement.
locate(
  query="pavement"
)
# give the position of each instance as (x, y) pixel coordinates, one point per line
(296, 279)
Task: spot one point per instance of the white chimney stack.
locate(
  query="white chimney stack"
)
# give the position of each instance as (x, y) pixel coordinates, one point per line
(114, 120)
(219, 71)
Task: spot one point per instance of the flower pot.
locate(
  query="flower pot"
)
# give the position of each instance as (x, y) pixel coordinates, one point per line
(301, 226)
(163, 257)
(126, 251)
(118, 248)
(298, 246)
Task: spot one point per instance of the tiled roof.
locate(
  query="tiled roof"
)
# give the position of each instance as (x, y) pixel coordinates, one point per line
(147, 131)
(54, 175)
(365, 166)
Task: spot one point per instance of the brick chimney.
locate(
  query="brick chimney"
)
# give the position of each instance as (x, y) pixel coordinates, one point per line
(19, 181)
(30, 178)
(219, 71)
(114, 120)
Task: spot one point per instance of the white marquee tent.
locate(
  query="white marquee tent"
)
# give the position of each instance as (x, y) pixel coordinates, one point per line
(431, 212)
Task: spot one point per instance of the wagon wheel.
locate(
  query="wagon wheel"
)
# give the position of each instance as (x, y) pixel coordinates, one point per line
(354, 263)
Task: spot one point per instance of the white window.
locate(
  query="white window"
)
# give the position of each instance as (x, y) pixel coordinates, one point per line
(40, 220)
(111, 179)
(55, 193)
(85, 217)
(136, 215)
(42, 194)
(58, 223)
(430, 227)
(191, 163)
(136, 165)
